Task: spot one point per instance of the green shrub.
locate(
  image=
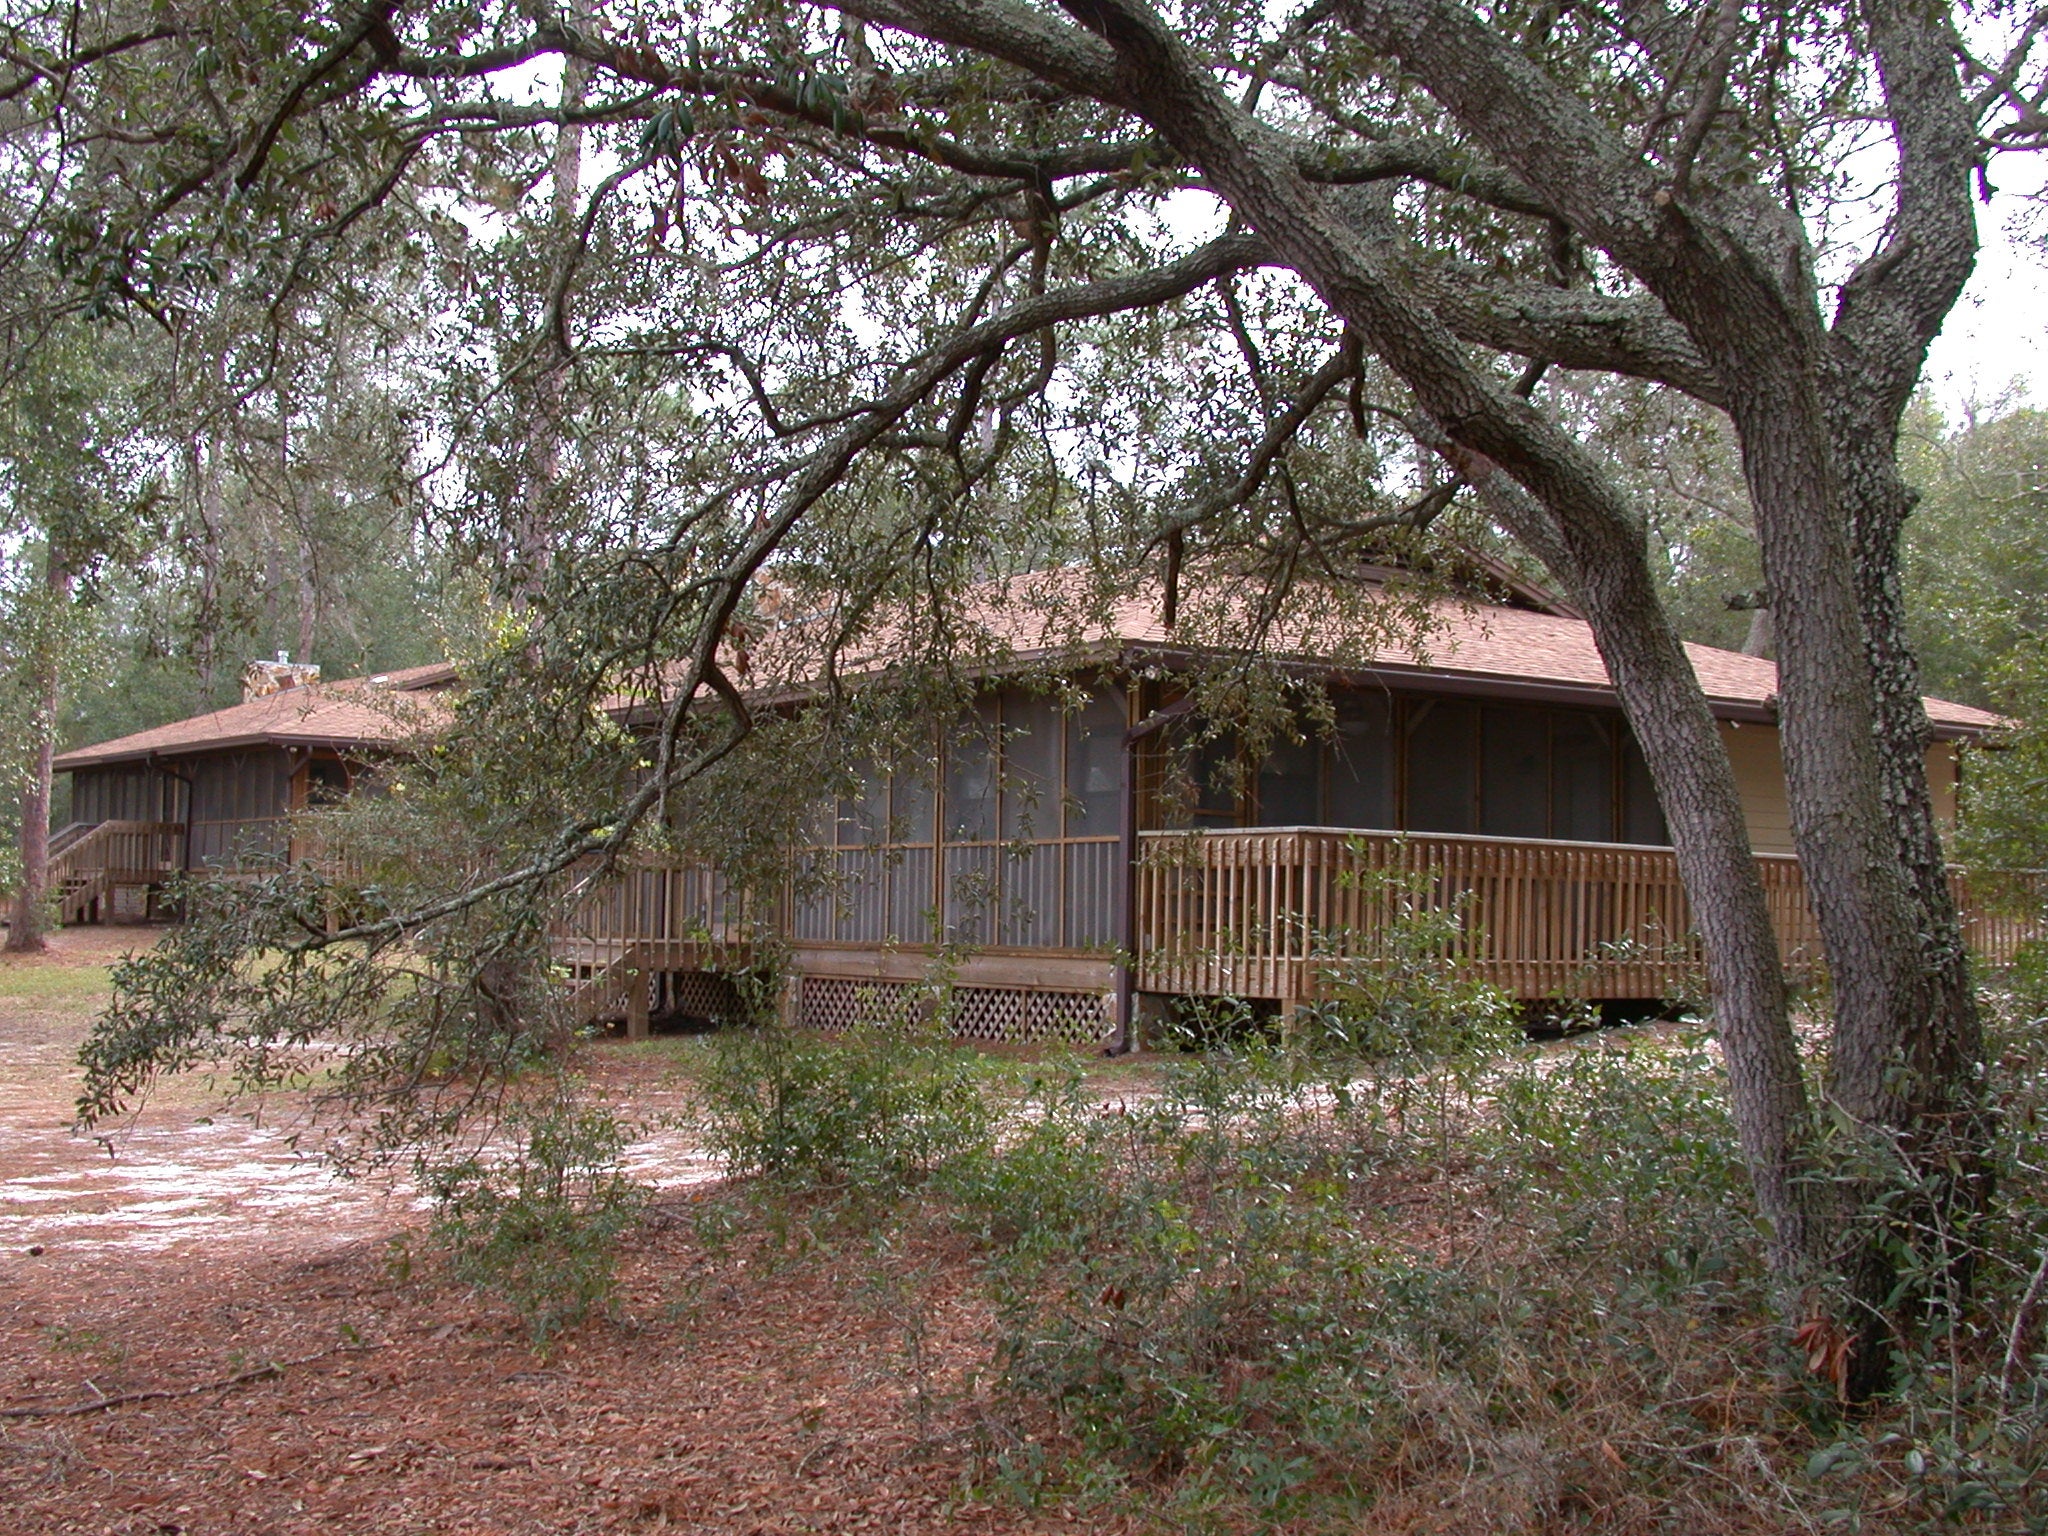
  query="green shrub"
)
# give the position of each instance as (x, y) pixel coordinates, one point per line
(541, 1222)
(1202, 1289)
(1261, 1288)
(1394, 992)
(876, 1110)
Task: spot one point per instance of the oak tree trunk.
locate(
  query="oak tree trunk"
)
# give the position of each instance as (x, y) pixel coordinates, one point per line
(28, 921)
(1688, 761)
(1907, 1040)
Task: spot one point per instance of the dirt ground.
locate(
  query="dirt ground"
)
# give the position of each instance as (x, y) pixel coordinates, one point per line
(276, 1371)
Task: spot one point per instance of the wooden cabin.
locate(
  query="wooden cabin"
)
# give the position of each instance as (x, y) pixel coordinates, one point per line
(1063, 860)
(211, 794)
(1041, 875)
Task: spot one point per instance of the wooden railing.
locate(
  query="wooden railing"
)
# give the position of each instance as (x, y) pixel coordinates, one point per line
(68, 834)
(1261, 913)
(130, 852)
(2002, 911)
(674, 916)
(88, 863)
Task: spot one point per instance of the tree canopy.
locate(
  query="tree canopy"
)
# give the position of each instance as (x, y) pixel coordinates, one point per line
(891, 295)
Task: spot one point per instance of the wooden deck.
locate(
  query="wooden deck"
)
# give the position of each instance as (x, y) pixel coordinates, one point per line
(663, 916)
(1263, 913)
(1259, 913)
(89, 865)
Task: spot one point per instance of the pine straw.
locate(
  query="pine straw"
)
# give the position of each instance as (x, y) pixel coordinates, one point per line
(800, 1381)
(729, 1395)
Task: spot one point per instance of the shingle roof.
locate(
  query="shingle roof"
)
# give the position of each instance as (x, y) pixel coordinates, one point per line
(1465, 647)
(1514, 644)
(1468, 648)
(384, 710)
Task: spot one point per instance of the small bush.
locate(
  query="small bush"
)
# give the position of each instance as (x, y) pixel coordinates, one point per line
(1394, 1276)
(1396, 995)
(1203, 1291)
(541, 1223)
(876, 1110)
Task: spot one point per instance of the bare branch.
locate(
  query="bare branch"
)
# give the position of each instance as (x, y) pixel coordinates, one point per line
(1713, 88)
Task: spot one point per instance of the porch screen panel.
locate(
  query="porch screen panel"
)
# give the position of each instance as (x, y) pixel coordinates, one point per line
(910, 896)
(913, 820)
(814, 913)
(970, 894)
(863, 888)
(237, 800)
(124, 794)
(971, 863)
(1581, 778)
(913, 805)
(866, 880)
(88, 794)
(1514, 769)
(1028, 868)
(1290, 788)
(1030, 895)
(1008, 838)
(1642, 816)
(1095, 747)
(1213, 765)
(1361, 777)
(969, 810)
(1092, 794)
(1091, 892)
(1031, 770)
(1443, 751)
(864, 816)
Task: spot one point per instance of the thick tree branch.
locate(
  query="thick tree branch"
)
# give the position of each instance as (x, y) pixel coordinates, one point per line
(372, 24)
(1571, 327)
(1894, 304)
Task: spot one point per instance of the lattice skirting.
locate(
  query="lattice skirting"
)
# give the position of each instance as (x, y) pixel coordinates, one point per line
(978, 1013)
(703, 995)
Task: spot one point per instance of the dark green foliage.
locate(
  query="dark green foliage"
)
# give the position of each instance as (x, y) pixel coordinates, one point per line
(1394, 996)
(403, 1046)
(1510, 1292)
(538, 1216)
(1975, 564)
(424, 1055)
(2004, 825)
(874, 1112)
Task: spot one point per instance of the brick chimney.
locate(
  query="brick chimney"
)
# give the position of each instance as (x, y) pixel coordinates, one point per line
(260, 679)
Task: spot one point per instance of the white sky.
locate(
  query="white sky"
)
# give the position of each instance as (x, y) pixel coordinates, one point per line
(1997, 337)
(1994, 346)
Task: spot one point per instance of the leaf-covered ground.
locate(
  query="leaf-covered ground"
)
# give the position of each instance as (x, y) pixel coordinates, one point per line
(734, 1391)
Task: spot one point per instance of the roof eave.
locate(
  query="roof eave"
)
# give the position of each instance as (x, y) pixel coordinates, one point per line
(86, 757)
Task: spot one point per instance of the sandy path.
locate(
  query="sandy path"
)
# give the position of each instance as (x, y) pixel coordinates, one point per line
(739, 1389)
(188, 1168)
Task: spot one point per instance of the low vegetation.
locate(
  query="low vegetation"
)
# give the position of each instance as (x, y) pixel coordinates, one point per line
(1452, 1285)
(1401, 1269)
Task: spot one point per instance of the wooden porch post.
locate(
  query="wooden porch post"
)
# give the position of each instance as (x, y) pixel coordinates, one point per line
(1125, 1040)
(638, 1025)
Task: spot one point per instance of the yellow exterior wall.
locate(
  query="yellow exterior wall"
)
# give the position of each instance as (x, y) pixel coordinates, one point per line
(1760, 778)
(1944, 775)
